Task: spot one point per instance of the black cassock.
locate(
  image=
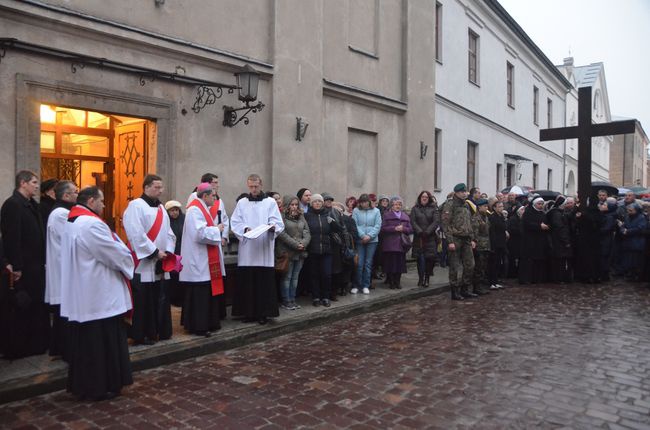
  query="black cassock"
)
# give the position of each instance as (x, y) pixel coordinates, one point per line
(587, 257)
(534, 247)
(24, 316)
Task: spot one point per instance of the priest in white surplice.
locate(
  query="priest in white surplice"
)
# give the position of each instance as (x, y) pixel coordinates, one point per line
(66, 197)
(147, 227)
(203, 272)
(256, 296)
(95, 297)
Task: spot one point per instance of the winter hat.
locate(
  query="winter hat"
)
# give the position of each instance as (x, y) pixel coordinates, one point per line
(301, 192)
(394, 199)
(172, 204)
(481, 202)
(382, 197)
(327, 196)
(316, 198)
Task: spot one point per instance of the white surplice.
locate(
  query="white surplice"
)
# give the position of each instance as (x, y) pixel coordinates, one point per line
(93, 285)
(55, 225)
(224, 215)
(138, 220)
(196, 235)
(257, 252)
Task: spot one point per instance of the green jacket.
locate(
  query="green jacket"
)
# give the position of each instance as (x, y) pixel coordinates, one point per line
(456, 220)
(481, 227)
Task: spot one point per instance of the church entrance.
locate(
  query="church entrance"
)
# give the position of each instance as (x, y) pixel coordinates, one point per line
(94, 148)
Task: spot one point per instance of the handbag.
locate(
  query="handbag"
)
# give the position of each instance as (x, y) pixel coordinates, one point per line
(406, 242)
(282, 263)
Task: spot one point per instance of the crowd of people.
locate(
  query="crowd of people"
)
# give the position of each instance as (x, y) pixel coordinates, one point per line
(69, 283)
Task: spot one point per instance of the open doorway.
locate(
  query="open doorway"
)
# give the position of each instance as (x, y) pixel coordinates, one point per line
(95, 148)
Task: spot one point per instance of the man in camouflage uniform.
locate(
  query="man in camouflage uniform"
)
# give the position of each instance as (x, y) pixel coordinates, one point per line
(481, 227)
(457, 226)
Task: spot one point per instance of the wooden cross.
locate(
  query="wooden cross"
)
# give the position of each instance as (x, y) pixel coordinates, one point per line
(584, 131)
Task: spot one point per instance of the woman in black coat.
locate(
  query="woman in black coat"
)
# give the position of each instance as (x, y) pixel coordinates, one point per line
(562, 251)
(319, 260)
(534, 243)
(425, 218)
(498, 241)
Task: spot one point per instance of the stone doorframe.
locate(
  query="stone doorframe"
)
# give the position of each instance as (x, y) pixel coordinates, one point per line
(32, 91)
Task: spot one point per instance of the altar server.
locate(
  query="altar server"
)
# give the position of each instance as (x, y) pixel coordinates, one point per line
(66, 196)
(256, 297)
(95, 297)
(150, 237)
(203, 266)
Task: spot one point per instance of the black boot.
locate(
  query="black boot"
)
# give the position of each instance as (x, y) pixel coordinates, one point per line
(426, 281)
(398, 281)
(455, 294)
(420, 281)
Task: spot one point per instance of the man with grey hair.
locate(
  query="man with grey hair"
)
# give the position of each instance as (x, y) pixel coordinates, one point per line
(25, 328)
(65, 193)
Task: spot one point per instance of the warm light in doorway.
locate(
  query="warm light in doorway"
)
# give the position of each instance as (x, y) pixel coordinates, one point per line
(48, 114)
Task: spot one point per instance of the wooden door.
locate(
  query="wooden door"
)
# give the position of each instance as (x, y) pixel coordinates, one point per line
(130, 168)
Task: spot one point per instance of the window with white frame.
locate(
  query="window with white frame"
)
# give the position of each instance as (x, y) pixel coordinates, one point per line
(473, 57)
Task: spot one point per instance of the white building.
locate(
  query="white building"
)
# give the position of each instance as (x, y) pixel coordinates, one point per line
(592, 75)
(495, 90)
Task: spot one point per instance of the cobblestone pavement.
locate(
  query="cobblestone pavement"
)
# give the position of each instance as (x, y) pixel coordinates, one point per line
(550, 356)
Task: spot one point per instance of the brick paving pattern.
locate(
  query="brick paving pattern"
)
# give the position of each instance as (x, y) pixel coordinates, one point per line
(550, 356)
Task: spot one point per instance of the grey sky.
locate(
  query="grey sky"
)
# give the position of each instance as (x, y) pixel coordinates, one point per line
(616, 32)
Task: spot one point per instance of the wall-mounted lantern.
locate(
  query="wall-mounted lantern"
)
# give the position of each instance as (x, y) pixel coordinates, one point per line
(247, 82)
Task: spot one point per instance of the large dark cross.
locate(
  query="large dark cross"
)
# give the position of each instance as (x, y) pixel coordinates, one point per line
(584, 131)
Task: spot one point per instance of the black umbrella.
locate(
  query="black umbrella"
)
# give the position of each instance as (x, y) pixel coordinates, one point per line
(601, 185)
(547, 195)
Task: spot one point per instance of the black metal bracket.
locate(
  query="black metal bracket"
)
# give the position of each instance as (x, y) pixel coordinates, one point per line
(3, 52)
(301, 129)
(207, 96)
(74, 65)
(231, 119)
(423, 150)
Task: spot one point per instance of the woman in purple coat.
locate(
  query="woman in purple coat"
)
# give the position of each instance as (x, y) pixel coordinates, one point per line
(394, 225)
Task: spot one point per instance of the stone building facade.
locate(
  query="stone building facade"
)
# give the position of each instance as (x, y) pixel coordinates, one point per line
(103, 92)
(495, 90)
(628, 158)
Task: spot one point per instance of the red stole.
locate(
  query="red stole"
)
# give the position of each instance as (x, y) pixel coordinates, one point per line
(78, 211)
(214, 258)
(152, 234)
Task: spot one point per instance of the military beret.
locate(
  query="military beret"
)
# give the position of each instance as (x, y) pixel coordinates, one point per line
(460, 187)
(481, 202)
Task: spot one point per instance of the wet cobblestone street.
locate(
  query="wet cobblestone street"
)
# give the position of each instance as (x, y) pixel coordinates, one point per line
(571, 356)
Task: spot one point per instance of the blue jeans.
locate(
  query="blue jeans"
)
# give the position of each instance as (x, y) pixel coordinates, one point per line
(364, 269)
(290, 281)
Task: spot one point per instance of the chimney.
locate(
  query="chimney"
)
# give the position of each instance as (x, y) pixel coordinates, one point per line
(568, 61)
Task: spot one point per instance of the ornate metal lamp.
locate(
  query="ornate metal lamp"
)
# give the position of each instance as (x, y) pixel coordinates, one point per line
(247, 82)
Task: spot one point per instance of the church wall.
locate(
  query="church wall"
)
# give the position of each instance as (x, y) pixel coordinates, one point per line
(385, 106)
(365, 40)
(204, 22)
(199, 142)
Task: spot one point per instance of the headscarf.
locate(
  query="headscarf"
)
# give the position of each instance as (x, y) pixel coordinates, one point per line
(538, 199)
